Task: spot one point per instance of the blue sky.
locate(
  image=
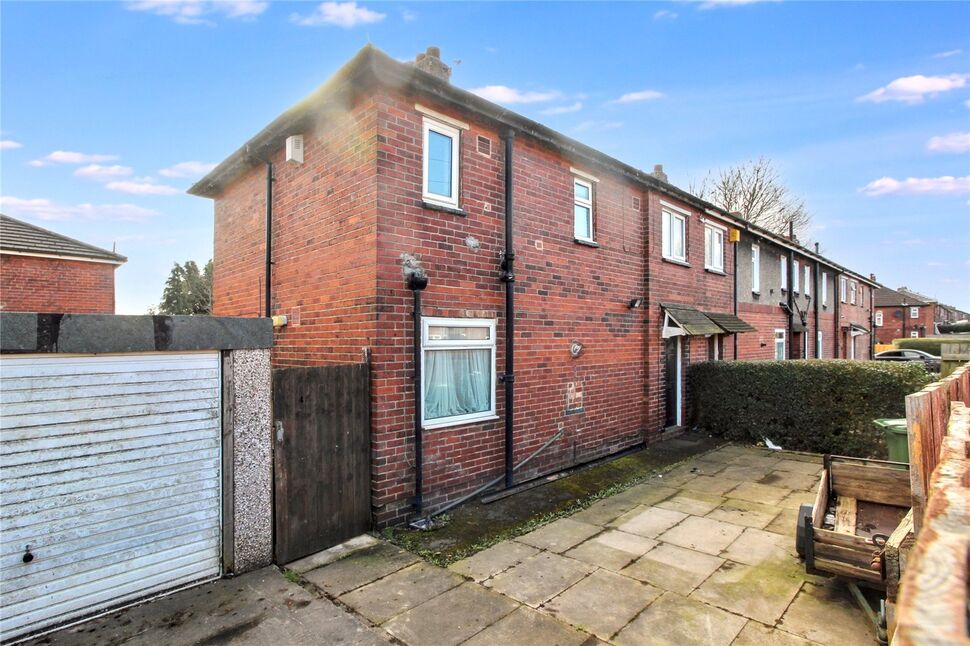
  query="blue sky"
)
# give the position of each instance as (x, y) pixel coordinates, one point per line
(110, 110)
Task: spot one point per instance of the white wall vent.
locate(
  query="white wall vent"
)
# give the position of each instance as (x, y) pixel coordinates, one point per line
(294, 149)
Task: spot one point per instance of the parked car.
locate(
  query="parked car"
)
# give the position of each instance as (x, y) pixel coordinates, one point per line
(931, 362)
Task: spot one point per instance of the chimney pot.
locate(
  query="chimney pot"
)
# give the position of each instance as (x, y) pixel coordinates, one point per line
(434, 52)
(658, 172)
(430, 62)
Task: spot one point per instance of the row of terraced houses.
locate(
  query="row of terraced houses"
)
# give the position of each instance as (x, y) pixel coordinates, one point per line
(562, 292)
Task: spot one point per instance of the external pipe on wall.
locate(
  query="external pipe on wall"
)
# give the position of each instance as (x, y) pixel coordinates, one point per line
(792, 353)
(269, 240)
(837, 297)
(508, 277)
(417, 281)
(818, 297)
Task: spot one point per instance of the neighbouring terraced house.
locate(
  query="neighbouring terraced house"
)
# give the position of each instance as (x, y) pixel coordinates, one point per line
(600, 284)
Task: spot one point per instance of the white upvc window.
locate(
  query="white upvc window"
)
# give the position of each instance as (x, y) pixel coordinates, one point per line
(755, 269)
(878, 319)
(852, 292)
(713, 247)
(783, 268)
(458, 371)
(862, 295)
(441, 154)
(914, 334)
(914, 312)
(794, 274)
(674, 234)
(808, 280)
(843, 287)
(583, 209)
(779, 344)
(825, 289)
(818, 344)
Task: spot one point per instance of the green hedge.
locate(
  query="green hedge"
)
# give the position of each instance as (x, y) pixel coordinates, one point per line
(932, 345)
(823, 406)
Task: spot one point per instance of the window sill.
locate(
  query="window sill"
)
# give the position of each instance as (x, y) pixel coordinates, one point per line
(675, 261)
(458, 422)
(712, 270)
(587, 243)
(755, 292)
(441, 207)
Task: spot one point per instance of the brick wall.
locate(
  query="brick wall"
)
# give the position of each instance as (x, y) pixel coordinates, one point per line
(32, 284)
(897, 324)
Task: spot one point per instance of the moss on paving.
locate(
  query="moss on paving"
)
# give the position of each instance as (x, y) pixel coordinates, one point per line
(474, 526)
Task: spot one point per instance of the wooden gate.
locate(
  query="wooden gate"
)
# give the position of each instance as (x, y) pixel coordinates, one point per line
(321, 457)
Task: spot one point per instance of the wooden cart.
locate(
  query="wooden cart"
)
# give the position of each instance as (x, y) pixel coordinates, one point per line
(858, 512)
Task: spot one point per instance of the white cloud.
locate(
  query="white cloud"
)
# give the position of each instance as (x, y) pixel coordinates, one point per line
(564, 109)
(195, 12)
(954, 142)
(102, 173)
(408, 16)
(636, 97)
(44, 209)
(664, 14)
(714, 4)
(505, 94)
(341, 14)
(946, 185)
(190, 169)
(68, 157)
(597, 126)
(9, 144)
(141, 186)
(915, 89)
(948, 54)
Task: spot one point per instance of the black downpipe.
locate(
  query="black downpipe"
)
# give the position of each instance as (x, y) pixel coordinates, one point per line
(818, 298)
(737, 245)
(269, 239)
(508, 277)
(416, 282)
(791, 306)
(837, 293)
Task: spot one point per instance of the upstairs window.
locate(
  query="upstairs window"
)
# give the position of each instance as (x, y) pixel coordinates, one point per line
(783, 269)
(843, 287)
(808, 281)
(825, 289)
(914, 312)
(674, 235)
(852, 292)
(441, 155)
(583, 209)
(878, 319)
(458, 368)
(755, 269)
(794, 274)
(713, 248)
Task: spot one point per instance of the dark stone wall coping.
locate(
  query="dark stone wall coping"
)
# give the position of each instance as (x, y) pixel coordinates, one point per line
(22, 333)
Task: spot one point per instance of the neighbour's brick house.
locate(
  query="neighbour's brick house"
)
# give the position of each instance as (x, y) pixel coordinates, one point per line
(621, 280)
(903, 313)
(43, 271)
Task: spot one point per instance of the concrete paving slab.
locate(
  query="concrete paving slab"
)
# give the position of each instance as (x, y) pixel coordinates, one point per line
(601, 512)
(612, 549)
(493, 560)
(756, 546)
(673, 568)
(648, 493)
(360, 568)
(745, 473)
(756, 592)
(784, 523)
(711, 484)
(539, 578)
(673, 620)
(602, 603)
(401, 591)
(791, 480)
(796, 499)
(761, 493)
(651, 521)
(528, 626)
(452, 617)
(745, 513)
(826, 614)
(560, 535)
(631, 543)
(811, 466)
(332, 554)
(756, 634)
(702, 534)
(691, 502)
(756, 460)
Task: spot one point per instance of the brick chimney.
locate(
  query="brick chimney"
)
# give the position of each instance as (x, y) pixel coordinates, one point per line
(658, 172)
(430, 62)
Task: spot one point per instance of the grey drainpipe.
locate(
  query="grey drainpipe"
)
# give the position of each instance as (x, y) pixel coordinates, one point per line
(791, 305)
(508, 277)
(837, 292)
(417, 281)
(737, 245)
(818, 298)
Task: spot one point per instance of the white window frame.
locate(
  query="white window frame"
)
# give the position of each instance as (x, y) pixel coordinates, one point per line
(914, 334)
(755, 269)
(843, 289)
(825, 289)
(668, 217)
(783, 265)
(429, 345)
(783, 341)
(795, 272)
(713, 241)
(808, 280)
(914, 312)
(878, 319)
(862, 295)
(853, 288)
(818, 344)
(429, 126)
(577, 201)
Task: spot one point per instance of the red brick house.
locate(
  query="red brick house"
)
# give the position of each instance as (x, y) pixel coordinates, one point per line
(389, 185)
(902, 313)
(43, 271)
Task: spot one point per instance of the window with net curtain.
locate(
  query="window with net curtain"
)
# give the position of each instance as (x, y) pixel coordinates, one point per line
(458, 370)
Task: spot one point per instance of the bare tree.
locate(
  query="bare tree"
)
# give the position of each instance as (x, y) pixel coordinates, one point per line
(755, 192)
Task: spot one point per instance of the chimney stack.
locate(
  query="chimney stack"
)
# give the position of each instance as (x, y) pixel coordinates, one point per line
(430, 62)
(872, 277)
(658, 172)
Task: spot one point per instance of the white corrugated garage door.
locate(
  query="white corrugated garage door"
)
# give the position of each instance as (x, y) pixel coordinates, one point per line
(111, 473)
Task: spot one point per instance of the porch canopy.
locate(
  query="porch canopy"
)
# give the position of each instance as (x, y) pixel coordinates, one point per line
(855, 329)
(684, 320)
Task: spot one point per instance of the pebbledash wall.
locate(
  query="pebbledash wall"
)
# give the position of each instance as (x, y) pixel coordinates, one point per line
(344, 219)
(39, 284)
